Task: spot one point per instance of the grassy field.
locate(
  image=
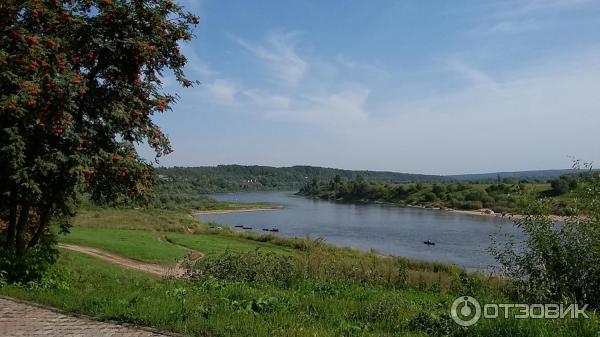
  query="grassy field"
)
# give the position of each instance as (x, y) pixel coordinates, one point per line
(215, 243)
(136, 244)
(339, 293)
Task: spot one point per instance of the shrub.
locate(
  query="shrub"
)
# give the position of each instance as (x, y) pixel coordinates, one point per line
(432, 325)
(31, 266)
(255, 267)
(557, 261)
(283, 271)
(471, 205)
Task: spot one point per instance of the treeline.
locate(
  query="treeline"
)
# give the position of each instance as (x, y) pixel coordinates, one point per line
(501, 197)
(240, 178)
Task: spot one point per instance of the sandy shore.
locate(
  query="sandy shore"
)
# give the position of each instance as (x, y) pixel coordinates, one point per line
(483, 212)
(225, 211)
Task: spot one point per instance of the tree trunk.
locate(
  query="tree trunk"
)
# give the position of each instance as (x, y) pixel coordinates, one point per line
(21, 244)
(42, 225)
(12, 221)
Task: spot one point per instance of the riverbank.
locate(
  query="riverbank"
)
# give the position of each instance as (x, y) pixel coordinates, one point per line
(489, 213)
(258, 291)
(486, 212)
(226, 211)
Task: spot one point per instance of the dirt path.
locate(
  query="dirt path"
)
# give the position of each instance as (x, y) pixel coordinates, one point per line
(122, 261)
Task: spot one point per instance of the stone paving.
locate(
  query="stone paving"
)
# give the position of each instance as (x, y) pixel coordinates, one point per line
(19, 319)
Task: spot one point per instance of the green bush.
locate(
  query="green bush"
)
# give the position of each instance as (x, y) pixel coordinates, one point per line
(557, 261)
(253, 267)
(32, 266)
(283, 271)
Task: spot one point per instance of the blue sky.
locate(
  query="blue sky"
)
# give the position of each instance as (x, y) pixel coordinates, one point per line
(436, 87)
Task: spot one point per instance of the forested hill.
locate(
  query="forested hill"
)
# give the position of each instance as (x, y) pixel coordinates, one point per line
(519, 175)
(233, 178)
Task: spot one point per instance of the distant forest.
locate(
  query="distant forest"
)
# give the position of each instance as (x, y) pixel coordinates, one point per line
(239, 178)
(501, 196)
(185, 186)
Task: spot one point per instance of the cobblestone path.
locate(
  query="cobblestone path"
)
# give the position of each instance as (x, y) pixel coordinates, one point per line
(19, 319)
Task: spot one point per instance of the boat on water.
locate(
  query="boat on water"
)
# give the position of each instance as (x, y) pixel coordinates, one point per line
(429, 243)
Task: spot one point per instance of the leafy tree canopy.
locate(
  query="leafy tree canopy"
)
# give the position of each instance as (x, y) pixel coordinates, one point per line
(79, 83)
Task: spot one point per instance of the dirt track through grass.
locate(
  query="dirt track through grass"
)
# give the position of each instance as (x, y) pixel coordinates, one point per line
(151, 268)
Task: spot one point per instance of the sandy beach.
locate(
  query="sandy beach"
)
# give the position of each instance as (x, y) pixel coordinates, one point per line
(482, 212)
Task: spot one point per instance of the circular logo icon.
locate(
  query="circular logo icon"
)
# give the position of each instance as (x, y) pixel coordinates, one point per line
(465, 311)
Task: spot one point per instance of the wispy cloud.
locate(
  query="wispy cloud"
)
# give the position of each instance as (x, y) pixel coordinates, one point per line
(196, 64)
(526, 16)
(478, 78)
(267, 102)
(511, 27)
(222, 91)
(336, 111)
(279, 54)
(371, 69)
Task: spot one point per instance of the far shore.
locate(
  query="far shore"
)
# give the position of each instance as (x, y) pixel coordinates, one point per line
(479, 212)
(509, 216)
(225, 211)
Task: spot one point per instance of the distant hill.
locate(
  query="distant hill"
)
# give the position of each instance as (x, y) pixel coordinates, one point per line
(530, 175)
(238, 178)
(232, 178)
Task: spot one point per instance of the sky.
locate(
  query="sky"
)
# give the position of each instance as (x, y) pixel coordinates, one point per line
(435, 87)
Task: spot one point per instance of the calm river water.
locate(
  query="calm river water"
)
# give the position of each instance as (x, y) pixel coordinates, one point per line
(459, 239)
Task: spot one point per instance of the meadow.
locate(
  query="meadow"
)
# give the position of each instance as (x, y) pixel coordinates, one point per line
(263, 285)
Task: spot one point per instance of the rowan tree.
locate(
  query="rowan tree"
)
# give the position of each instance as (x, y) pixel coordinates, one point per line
(79, 83)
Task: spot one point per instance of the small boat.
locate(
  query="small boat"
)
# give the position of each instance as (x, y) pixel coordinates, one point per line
(246, 227)
(274, 230)
(429, 243)
(266, 229)
(239, 226)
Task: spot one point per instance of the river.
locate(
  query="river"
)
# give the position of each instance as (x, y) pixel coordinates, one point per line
(460, 239)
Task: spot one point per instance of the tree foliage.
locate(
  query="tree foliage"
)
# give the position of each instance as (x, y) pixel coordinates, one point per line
(557, 260)
(79, 83)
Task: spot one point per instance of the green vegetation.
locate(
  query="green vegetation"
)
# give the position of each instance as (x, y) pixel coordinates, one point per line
(501, 197)
(236, 178)
(263, 285)
(80, 82)
(557, 262)
(131, 243)
(216, 243)
(183, 196)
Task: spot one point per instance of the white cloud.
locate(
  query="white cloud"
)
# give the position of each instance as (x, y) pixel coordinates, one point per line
(520, 116)
(526, 16)
(368, 68)
(478, 78)
(338, 109)
(512, 27)
(222, 91)
(196, 64)
(520, 8)
(537, 116)
(267, 101)
(280, 56)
